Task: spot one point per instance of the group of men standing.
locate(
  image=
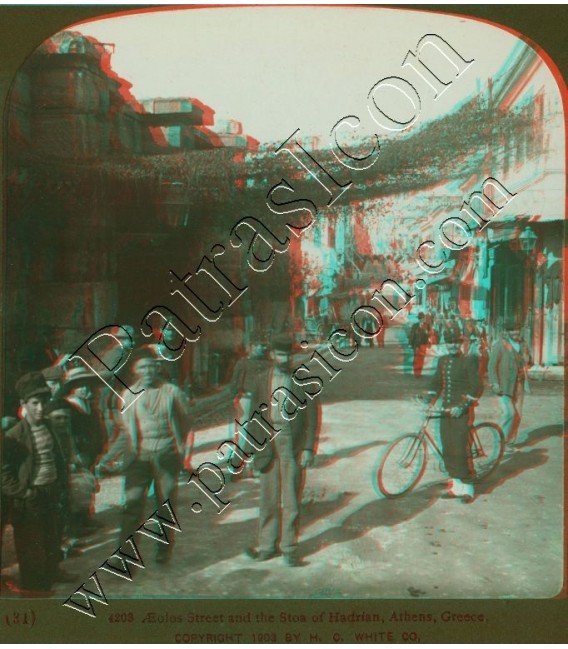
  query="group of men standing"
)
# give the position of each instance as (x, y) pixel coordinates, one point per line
(53, 456)
(48, 481)
(55, 442)
(433, 328)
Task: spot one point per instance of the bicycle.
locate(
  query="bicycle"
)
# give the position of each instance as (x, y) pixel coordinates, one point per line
(405, 460)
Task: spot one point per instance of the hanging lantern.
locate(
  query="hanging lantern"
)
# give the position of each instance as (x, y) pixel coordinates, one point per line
(527, 239)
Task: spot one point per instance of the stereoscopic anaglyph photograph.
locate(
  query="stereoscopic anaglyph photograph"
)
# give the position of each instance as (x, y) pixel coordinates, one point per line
(283, 309)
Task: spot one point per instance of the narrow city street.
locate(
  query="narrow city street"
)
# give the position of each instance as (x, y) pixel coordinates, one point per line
(148, 189)
(191, 225)
(355, 542)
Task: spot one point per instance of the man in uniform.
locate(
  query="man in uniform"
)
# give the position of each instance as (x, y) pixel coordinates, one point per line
(281, 462)
(453, 327)
(457, 385)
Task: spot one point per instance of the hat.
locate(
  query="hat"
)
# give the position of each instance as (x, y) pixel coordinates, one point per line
(79, 374)
(142, 353)
(452, 337)
(32, 385)
(53, 373)
(511, 325)
(282, 344)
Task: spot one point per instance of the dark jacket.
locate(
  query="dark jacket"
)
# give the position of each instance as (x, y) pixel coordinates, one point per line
(304, 427)
(457, 380)
(18, 462)
(88, 436)
(419, 335)
(246, 373)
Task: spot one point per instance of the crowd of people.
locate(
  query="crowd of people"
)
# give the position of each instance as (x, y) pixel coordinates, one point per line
(434, 328)
(69, 432)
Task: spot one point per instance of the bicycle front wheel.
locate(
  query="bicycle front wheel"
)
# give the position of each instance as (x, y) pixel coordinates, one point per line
(486, 448)
(402, 466)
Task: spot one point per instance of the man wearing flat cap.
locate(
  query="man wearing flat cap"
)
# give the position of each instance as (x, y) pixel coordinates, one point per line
(53, 376)
(86, 423)
(281, 462)
(34, 481)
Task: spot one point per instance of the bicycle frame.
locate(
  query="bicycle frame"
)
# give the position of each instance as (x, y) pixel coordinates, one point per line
(407, 456)
(428, 437)
(424, 434)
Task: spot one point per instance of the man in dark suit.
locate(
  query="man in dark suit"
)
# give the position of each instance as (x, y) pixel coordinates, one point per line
(281, 462)
(34, 482)
(452, 328)
(457, 385)
(419, 340)
(86, 424)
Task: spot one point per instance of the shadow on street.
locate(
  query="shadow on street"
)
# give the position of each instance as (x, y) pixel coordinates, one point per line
(379, 513)
(536, 435)
(511, 468)
(324, 460)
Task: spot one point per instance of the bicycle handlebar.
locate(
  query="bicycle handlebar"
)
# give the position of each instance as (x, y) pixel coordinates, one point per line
(424, 401)
(435, 413)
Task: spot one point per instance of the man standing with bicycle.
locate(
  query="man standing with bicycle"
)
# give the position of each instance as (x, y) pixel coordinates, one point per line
(457, 386)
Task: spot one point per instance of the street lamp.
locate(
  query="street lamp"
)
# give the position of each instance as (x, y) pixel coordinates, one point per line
(528, 240)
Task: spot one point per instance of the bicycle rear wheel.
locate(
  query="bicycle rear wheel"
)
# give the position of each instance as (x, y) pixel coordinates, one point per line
(402, 466)
(486, 448)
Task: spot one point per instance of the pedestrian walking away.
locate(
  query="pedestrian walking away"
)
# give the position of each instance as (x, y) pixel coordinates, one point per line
(419, 340)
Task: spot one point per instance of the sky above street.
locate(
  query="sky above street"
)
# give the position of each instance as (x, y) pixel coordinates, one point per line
(277, 69)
